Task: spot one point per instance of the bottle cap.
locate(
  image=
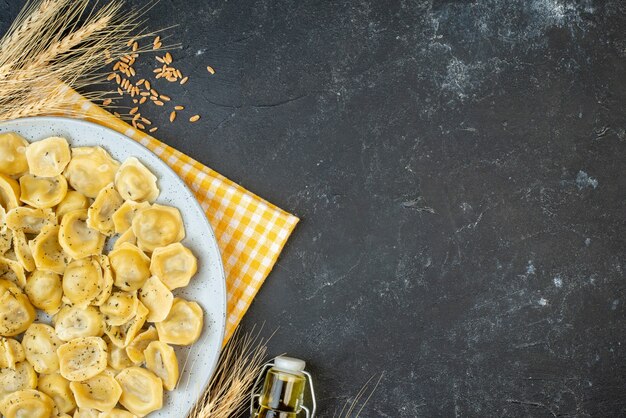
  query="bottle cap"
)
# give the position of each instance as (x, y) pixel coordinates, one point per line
(289, 364)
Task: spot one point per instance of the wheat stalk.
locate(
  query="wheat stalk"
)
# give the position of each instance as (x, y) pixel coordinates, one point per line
(350, 408)
(54, 41)
(228, 392)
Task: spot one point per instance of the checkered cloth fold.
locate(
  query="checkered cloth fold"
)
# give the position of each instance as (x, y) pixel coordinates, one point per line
(250, 231)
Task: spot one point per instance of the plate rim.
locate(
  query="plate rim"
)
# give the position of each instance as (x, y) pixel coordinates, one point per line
(164, 166)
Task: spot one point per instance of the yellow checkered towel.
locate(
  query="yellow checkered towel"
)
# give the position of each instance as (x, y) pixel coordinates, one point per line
(250, 231)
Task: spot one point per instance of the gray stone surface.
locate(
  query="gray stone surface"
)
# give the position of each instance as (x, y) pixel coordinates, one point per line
(457, 166)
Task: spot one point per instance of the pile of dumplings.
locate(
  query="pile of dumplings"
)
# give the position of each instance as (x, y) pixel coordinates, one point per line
(108, 350)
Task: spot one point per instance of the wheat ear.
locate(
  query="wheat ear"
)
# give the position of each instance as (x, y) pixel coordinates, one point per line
(228, 392)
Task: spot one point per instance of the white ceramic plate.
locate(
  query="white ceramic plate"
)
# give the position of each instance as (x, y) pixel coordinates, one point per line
(208, 287)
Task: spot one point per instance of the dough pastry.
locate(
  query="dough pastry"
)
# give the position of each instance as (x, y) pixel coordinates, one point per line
(13, 154)
(135, 182)
(183, 325)
(90, 170)
(48, 157)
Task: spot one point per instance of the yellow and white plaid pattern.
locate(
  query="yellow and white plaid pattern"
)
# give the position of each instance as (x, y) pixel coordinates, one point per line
(250, 231)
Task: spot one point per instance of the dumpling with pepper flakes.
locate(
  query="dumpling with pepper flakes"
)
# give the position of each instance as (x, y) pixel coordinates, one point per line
(29, 220)
(90, 170)
(82, 239)
(76, 322)
(131, 267)
(40, 347)
(58, 388)
(16, 311)
(135, 182)
(101, 392)
(82, 358)
(48, 157)
(27, 403)
(21, 377)
(11, 353)
(100, 213)
(45, 291)
(42, 192)
(77, 238)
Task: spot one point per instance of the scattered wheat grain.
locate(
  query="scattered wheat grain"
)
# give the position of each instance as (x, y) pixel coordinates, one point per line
(194, 118)
(172, 116)
(210, 69)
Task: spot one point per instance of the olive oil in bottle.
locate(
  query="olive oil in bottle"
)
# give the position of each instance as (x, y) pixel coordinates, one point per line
(283, 390)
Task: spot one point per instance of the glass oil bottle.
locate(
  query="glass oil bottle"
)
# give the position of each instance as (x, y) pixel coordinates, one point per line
(283, 391)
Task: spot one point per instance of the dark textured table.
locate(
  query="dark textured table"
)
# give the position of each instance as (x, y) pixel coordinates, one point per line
(458, 168)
